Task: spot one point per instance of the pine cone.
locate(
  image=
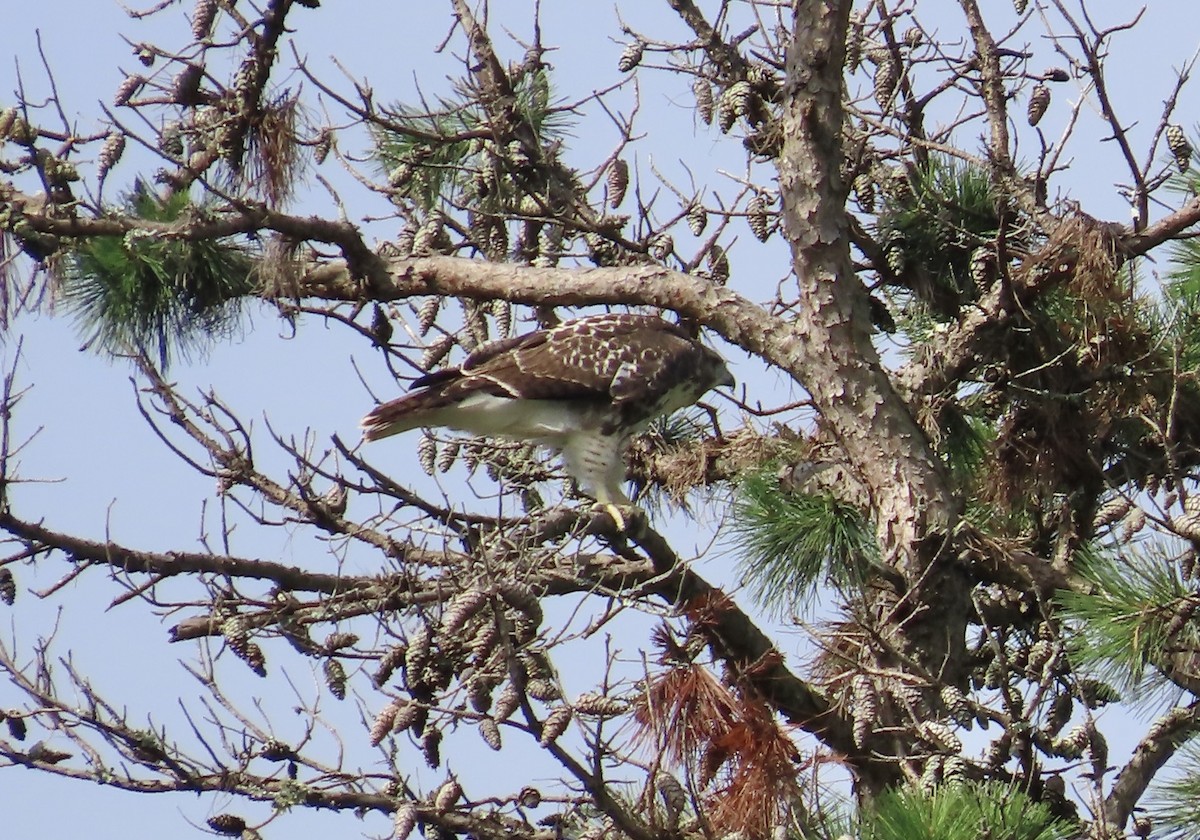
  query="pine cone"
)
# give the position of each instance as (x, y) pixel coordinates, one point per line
(618, 182)
(485, 642)
(1133, 523)
(16, 726)
(1039, 101)
(8, 118)
(887, 77)
(479, 693)
(407, 714)
(114, 147)
(704, 100)
(718, 264)
(323, 146)
(726, 114)
(864, 190)
(431, 746)
(506, 703)
(170, 141)
(542, 689)
(227, 824)
(490, 732)
(864, 708)
(8, 586)
(502, 311)
(13, 127)
(340, 640)
(404, 821)
(660, 246)
(203, 15)
(128, 88)
(854, 41)
(529, 797)
(448, 794)
(631, 56)
(598, 705)
(437, 351)
(554, 725)
(406, 239)
(980, 267)
(427, 453)
(383, 723)
(1178, 143)
(758, 218)
(237, 637)
(274, 750)
(673, 795)
(461, 609)
(335, 678)
(1110, 512)
(741, 95)
(420, 650)
(957, 706)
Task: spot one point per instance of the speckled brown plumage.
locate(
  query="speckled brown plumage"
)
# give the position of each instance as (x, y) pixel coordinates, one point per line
(582, 387)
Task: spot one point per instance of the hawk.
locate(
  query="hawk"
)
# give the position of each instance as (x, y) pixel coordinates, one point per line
(583, 388)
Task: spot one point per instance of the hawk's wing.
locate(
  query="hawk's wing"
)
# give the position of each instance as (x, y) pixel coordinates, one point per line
(612, 371)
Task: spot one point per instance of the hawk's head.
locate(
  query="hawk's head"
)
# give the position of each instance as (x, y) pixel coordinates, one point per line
(692, 374)
(715, 371)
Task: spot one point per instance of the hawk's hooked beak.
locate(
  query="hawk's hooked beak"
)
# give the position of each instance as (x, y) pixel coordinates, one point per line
(726, 379)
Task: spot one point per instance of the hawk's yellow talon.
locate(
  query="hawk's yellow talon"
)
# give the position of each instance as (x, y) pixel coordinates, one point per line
(617, 517)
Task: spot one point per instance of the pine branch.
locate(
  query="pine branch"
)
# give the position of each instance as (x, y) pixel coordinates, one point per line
(176, 563)
(1165, 737)
(725, 56)
(993, 89)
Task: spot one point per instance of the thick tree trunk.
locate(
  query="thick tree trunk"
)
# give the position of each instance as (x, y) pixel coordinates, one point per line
(913, 504)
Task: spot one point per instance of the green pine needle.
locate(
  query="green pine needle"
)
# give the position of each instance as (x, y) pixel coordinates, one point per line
(1175, 805)
(1121, 623)
(678, 428)
(960, 812)
(789, 542)
(1181, 301)
(443, 169)
(950, 211)
(965, 441)
(434, 167)
(155, 294)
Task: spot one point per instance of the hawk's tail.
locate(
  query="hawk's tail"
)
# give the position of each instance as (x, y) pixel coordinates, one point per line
(401, 414)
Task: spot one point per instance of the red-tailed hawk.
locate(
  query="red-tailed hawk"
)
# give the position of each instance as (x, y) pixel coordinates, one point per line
(583, 388)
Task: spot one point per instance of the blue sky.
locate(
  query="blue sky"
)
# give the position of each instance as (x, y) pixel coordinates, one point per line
(109, 476)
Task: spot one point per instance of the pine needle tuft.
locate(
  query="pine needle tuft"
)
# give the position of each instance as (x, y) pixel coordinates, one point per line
(163, 295)
(787, 541)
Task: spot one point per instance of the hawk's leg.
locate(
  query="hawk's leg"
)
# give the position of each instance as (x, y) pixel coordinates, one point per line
(614, 511)
(613, 501)
(595, 461)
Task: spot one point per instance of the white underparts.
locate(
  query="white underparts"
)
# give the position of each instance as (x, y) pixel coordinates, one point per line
(594, 459)
(487, 414)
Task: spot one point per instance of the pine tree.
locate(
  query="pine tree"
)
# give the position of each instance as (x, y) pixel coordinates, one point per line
(961, 460)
